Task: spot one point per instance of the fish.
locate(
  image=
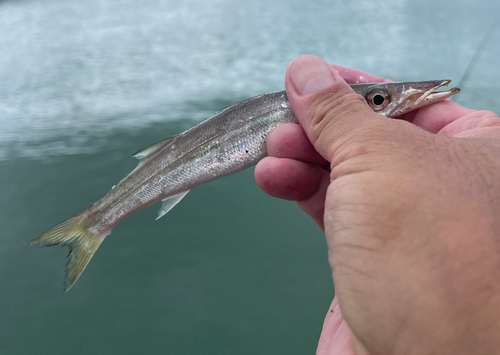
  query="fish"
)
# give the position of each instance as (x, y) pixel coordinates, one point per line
(232, 140)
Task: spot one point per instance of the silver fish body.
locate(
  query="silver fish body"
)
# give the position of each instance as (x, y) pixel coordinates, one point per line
(231, 141)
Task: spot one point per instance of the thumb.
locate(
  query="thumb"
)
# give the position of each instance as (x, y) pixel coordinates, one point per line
(328, 110)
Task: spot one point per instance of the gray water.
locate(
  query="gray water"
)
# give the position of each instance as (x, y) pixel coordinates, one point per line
(83, 84)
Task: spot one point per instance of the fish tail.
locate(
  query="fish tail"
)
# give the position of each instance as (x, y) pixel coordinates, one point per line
(82, 244)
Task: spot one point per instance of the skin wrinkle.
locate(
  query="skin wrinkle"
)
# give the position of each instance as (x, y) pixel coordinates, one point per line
(353, 188)
(489, 119)
(362, 236)
(434, 118)
(356, 246)
(372, 142)
(322, 108)
(470, 121)
(364, 241)
(348, 270)
(296, 144)
(481, 132)
(364, 160)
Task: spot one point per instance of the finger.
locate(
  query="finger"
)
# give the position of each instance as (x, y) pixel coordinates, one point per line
(353, 76)
(314, 205)
(435, 117)
(290, 141)
(295, 180)
(328, 110)
(485, 124)
(287, 178)
(336, 336)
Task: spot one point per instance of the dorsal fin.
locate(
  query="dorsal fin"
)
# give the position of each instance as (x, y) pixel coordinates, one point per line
(237, 104)
(148, 151)
(226, 108)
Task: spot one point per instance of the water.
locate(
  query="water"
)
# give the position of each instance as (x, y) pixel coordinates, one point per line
(229, 270)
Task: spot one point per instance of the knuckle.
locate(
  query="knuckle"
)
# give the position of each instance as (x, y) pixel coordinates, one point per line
(341, 120)
(489, 119)
(334, 109)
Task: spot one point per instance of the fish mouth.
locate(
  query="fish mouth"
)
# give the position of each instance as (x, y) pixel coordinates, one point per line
(421, 94)
(431, 95)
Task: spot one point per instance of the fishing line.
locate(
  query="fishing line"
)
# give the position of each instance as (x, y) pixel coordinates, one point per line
(480, 49)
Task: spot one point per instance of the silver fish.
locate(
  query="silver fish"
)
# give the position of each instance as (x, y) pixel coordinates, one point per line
(231, 141)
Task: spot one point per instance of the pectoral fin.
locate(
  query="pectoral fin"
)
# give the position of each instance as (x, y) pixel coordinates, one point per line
(170, 203)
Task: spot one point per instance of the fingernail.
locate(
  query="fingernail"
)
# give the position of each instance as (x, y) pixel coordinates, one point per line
(310, 74)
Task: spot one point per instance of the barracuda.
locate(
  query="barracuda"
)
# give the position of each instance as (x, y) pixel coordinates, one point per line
(229, 142)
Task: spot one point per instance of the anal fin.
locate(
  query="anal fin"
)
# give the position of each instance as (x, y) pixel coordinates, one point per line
(170, 203)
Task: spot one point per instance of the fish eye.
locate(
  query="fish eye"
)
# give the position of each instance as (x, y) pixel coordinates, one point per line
(378, 99)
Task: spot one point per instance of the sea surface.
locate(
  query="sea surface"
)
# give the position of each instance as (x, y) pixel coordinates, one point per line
(230, 270)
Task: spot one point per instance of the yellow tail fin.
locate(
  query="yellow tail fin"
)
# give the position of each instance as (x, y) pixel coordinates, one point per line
(82, 244)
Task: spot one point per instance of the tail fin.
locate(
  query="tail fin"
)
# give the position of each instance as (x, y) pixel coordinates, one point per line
(82, 244)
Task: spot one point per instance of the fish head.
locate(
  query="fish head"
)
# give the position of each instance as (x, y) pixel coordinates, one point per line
(396, 99)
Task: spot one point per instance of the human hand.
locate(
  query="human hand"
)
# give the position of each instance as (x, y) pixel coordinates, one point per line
(410, 210)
